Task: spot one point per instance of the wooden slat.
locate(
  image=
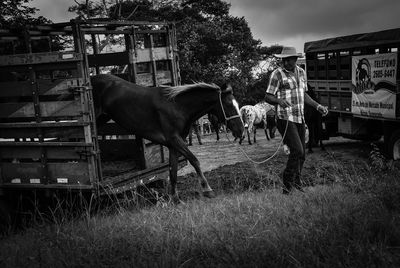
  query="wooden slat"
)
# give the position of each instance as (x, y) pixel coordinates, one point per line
(58, 66)
(15, 89)
(138, 176)
(144, 55)
(44, 144)
(125, 23)
(48, 132)
(68, 187)
(43, 124)
(34, 153)
(8, 38)
(57, 87)
(46, 87)
(39, 58)
(74, 172)
(104, 31)
(47, 109)
(146, 79)
(108, 59)
(133, 180)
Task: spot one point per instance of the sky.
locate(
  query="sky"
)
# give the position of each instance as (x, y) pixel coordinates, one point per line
(287, 22)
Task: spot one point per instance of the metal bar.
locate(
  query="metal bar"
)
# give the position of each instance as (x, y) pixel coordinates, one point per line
(130, 41)
(126, 177)
(46, 186)
(153, 62)
(44, 144)
(39, 58)
(97, 21)
(90, 131)
(38, 115)
(95, 51)
(43, 124)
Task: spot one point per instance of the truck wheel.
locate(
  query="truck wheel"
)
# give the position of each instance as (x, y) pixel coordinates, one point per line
(394, 145)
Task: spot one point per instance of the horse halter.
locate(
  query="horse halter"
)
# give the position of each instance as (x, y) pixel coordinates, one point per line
(223, 111)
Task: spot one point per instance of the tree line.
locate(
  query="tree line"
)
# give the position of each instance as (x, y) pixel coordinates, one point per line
(213, 45)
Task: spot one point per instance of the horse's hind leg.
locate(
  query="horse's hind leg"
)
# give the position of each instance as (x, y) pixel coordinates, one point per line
(266, 133)
(173, 175)
(266, 128)
(179, 145)
(248, 136)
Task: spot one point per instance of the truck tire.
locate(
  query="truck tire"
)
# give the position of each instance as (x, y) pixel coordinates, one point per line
(394, 145)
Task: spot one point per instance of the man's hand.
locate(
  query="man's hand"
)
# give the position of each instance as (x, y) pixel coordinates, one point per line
(322, 109)
(284, 103)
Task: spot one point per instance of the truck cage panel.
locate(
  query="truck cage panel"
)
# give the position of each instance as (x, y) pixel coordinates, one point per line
(48, 134)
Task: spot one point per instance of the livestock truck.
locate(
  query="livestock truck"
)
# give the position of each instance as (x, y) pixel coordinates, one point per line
(49, 141)
(357, 78)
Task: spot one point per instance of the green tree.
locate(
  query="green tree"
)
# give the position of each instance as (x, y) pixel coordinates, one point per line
(17, 14)
(213, 45)
(256, 91)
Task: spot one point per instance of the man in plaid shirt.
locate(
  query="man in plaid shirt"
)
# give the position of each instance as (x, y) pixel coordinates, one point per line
(287, 89)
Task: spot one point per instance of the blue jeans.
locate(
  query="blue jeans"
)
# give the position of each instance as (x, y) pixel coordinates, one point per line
(295, 140)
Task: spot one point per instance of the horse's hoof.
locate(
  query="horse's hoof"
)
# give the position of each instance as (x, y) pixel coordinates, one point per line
(209, 194)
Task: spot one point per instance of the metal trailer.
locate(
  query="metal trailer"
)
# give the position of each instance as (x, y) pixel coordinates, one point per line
(48, 136)
(331, 74)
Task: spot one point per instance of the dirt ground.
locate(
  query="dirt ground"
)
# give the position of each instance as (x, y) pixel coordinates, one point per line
(213, 154)
(228, 169)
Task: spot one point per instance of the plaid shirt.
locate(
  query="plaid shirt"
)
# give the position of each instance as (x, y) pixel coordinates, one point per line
(284, 85)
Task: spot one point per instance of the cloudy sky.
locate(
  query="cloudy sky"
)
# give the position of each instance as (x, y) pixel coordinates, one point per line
(288, 22)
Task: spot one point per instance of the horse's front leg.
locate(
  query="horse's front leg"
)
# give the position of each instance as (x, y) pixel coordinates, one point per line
(179, 145)
(249, 129)
(173, 175)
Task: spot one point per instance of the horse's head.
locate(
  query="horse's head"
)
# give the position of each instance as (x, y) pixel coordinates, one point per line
(228, 111)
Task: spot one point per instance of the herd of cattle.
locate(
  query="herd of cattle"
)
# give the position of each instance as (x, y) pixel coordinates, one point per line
(262, 115)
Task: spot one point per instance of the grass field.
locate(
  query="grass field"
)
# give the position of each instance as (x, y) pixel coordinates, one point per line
(349, 216)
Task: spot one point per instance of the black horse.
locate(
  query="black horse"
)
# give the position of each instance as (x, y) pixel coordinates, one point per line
(215, 123)
(165, 114)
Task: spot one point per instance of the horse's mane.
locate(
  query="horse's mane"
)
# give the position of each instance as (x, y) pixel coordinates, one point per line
(172, 92)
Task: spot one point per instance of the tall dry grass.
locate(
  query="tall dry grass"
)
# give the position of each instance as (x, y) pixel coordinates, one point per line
(352, 221)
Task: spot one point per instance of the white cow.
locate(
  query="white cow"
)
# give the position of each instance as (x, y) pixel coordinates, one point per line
(260, 115)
